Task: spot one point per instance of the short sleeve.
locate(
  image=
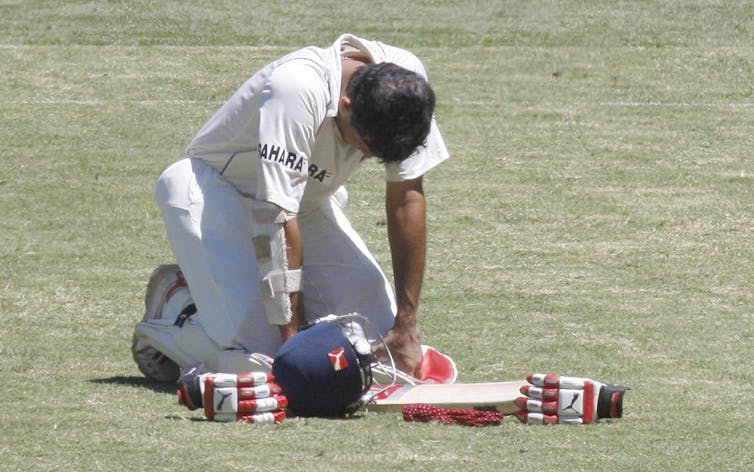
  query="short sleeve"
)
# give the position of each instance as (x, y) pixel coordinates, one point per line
(422, 160)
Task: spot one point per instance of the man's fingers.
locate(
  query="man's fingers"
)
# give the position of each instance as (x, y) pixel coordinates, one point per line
(417, 373)
(407, 358)
(378, 351)
(408, 365)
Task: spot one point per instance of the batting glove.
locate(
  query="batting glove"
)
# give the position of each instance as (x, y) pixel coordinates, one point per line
(252, 397)
(573, 400)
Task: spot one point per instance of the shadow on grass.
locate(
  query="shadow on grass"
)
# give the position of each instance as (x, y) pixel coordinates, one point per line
(170, 388)
(138, 382)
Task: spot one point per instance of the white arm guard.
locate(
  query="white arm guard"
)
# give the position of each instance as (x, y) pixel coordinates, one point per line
(276, 281)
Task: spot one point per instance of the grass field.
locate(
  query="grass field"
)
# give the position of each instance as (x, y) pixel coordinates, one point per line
(597, 218)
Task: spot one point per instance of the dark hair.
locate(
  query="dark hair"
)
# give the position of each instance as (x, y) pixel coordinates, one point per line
(392, 109)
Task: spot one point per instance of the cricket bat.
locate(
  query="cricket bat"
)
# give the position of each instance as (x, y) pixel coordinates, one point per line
(496, 396)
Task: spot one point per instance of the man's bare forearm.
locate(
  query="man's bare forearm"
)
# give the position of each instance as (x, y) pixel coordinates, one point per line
(406, 217)
(406, 213)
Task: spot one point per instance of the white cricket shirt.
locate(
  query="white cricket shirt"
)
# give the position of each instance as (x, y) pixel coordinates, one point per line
(276, 139)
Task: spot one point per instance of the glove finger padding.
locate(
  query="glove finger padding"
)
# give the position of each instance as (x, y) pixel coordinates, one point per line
(251, 397)
(573, 400)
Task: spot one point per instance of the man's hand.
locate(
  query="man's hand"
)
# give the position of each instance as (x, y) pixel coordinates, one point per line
(406, 350)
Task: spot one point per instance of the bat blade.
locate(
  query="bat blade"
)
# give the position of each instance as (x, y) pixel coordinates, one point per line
(497, 396)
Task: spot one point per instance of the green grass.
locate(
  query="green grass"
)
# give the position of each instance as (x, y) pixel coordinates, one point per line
(597, 218)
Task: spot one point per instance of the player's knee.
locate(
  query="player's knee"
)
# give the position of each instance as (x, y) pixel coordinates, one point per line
(171, 181)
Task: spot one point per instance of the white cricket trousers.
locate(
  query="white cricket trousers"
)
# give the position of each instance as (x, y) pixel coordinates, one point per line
(208, 224)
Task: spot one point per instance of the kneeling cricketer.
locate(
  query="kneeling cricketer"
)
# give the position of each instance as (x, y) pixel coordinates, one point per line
(255, 217)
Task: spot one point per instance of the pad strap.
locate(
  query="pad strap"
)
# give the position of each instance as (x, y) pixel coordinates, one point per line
(280, 281)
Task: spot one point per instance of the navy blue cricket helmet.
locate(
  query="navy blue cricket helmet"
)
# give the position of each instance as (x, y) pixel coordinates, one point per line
(321, 372)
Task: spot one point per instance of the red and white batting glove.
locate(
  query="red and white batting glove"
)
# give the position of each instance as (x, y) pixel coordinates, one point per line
(573, 400)
(252, 397)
